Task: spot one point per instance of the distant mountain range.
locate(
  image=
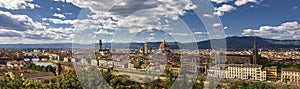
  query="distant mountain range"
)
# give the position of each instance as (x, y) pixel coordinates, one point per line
(235, 42)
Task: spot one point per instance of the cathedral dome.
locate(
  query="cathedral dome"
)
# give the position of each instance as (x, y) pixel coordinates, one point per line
(164, 46)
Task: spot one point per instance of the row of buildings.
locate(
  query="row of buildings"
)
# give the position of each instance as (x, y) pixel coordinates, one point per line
(145, 59)
(245, 67)
(252, 68)
(255, 72)
(238, 71)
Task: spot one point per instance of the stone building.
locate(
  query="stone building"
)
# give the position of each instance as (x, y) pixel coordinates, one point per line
(246, 72)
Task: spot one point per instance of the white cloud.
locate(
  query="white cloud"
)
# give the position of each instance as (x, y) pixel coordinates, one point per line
(58, 9)
(225, 27)
(68, 13)
(49, 34)
(18, 22)
(10, 33)
(22, 27)
(150, 38)
(289, 30)
(208, 15)
(179, 34)
(17, 4)
(59, 15)
(104, 32)
(132, 15)
(201, 33)
(219, 1)
(243, 2)
(223, 9)
(32, 6)
(59, 21)
(220, 11)
(217, 25)
(152, 34)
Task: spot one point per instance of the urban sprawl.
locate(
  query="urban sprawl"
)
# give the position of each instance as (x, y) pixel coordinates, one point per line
(280, 66)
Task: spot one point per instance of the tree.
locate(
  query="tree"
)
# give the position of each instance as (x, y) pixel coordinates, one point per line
(44, 69)
(49, 68)
(251, 85)
(8, 83)
(67, 81)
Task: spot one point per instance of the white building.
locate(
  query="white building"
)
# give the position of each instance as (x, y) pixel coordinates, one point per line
(105, 64)
(217, 71)
(291, 75)
(246, 71)
(15, 64)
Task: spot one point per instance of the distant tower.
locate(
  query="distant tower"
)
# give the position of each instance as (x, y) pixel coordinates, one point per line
(164, 46)
(145, 47)
(100, 44)
(100, 49)
(255, 53)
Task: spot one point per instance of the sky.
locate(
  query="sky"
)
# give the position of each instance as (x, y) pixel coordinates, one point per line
(123, 21)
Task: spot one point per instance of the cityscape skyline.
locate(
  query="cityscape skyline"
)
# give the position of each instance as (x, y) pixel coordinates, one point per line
(149, 44)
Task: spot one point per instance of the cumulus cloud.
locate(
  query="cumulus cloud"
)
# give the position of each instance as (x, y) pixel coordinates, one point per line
(17, 4)
(223, 9)
(22, 27)
(59, 21)
(18, 22)
(219, 1)
(243, 2)
(133, 15)
(286, 30)
(59, 15)
(49, 34)
(220, 11)
(10, 33)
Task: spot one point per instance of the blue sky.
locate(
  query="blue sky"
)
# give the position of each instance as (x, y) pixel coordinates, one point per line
(84, 21)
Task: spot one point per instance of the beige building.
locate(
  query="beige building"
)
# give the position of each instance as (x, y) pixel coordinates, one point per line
(66, 59)
(290, 75)
(273, 74)
(15, 65)
(216, 72)
(73, 60)
(246, 71)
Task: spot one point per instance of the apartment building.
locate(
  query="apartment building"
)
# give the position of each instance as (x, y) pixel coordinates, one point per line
(290, 75)
(246, 72)
(273, 73)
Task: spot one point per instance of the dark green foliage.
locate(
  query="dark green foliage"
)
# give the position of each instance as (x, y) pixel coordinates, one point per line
(8, 83)
(40, 68)
(67, 81)
(44, 69)
(250, 85)
(91, 78)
